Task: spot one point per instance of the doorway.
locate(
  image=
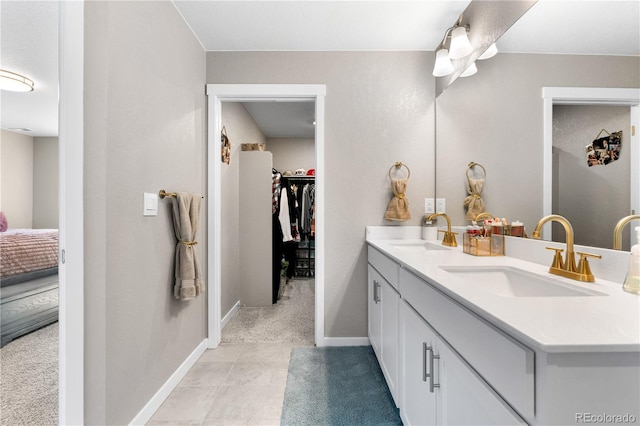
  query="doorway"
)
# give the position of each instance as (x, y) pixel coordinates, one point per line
(590, 96)
(217, 94)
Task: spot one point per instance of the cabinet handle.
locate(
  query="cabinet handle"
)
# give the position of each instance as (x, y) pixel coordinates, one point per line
(376, 291)
(425, 348)
(432, 385)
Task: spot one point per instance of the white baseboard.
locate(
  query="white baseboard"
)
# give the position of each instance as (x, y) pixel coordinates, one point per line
(344, 341)
(232, 313)
(156, 401)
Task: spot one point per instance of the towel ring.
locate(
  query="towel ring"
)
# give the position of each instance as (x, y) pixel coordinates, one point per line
(472, 164)
(397, 166)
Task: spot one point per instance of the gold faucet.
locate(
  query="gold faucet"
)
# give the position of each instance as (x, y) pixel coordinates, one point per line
(567, 268)
(481, 216)
(617, 232)
(449, 238)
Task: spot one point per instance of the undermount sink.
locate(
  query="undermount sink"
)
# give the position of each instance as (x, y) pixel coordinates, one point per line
(418, 244)
(514, 282)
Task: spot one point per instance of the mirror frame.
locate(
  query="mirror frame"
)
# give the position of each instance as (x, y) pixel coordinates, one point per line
(588, 96)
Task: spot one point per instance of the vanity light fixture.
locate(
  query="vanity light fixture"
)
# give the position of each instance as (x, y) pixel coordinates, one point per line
(489, 53)
(458, 48)
(14, 82)
(471, 70)
(443, 65)
(460, 45)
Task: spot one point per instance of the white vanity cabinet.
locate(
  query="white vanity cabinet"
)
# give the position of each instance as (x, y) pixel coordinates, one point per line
(383, 302)
(438, 387)
(468, 356)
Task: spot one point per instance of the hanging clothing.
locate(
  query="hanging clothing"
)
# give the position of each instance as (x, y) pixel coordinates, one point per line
(398, 208)
(306, 217)
(284, 216)
(275, 189)
(276, 256)
(186, 214)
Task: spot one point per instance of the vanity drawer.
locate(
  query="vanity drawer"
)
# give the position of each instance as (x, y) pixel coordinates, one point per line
(385, 266)
(506, 364)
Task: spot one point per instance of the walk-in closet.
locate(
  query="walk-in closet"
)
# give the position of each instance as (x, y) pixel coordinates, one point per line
(268, 222)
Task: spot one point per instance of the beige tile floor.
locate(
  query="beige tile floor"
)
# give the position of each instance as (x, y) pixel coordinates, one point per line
(235, 384)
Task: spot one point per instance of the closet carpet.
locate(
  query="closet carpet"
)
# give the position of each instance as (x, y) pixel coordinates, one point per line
(29, 379)
(290, 320)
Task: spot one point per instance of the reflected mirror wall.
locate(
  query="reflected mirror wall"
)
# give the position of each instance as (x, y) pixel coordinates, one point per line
(495, 118)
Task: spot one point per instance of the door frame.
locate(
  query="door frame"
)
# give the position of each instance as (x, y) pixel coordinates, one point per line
(589, 96)
(216, 94)
(71, 212)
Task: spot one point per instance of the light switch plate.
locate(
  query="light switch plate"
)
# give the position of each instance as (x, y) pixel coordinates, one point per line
(429, 205)
(150, 204)
(440, 205)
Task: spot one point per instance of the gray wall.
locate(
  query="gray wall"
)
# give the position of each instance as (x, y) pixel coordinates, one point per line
(601, 190)
(495, 118)
(292, 153)
(16, 177)
(144, 131)
(45, 183)
(379, 110)
(240, 129)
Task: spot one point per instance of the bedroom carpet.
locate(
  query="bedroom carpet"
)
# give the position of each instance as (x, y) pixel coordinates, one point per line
(337, 386)
(29, 379)
(290, 320)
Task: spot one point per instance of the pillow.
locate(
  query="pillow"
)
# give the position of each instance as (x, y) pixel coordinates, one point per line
(3, 222)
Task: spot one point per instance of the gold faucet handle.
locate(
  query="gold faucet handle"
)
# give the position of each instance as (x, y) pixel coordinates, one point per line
(449, 238)
(557, 258)
(583, 265)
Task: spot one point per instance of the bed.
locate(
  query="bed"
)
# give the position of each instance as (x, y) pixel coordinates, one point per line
(28, 281)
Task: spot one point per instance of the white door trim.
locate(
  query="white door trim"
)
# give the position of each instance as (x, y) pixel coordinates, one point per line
(71, 240)
(588, 96)
(218, 93)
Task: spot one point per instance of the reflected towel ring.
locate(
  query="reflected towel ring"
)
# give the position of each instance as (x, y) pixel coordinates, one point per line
(472, 164)
(397, 166)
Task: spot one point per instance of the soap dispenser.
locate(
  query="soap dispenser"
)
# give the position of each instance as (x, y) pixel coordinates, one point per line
(632, 282)
(429, 229)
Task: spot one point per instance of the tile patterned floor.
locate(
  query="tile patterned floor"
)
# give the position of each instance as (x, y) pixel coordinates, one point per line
(235, 384)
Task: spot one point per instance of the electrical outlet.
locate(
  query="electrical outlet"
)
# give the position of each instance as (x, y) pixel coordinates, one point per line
(440, 205)
(429, 205)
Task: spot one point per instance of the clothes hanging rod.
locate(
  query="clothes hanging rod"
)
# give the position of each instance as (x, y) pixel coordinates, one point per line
(164, 193)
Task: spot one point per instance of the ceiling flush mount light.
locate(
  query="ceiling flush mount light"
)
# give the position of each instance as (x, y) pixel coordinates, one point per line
(15, 82)
(460, 45)
(489, 53)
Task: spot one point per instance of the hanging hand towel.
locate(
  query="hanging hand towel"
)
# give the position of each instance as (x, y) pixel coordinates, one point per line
(473, 201)
(186, 213)
(398, 208)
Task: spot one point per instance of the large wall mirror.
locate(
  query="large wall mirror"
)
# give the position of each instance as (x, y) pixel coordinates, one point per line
(496, 118)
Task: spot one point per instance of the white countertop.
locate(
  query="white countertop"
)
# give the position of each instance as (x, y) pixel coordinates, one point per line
(607, 323)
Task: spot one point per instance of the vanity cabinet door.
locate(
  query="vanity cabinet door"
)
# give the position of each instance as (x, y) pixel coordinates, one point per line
(375, 310)
(390, 301)
(383, 302)
(417, 400)
(438, 387)
(464, 398)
